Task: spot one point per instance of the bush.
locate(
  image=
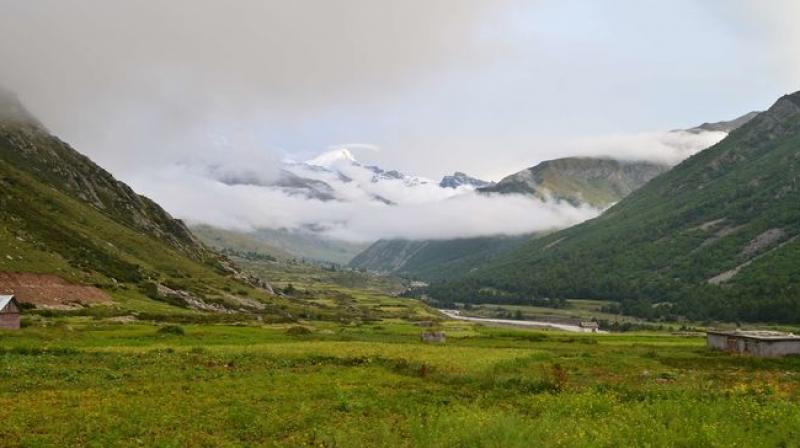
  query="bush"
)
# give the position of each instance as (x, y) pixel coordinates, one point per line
(298, 331)
(176, 330)
(150, 289)
(559, 377)
(95, 311)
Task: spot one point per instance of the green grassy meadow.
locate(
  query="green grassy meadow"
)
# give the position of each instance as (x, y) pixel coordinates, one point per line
(79, 381)
(575, 310)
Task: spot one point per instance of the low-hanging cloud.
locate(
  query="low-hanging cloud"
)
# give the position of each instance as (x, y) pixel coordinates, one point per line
(663, 147)
(462, 216)
(668, 148)
(233, 187)
(191, 193)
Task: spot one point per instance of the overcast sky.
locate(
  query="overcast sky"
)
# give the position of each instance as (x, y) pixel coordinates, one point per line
(485, 87)
(167, 93)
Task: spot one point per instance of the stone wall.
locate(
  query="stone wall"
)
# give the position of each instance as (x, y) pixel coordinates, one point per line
(9, 321)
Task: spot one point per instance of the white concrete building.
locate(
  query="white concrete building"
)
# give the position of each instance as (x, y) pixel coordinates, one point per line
(756, 343)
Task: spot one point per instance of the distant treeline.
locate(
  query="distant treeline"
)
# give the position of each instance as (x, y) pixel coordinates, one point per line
(703, 303)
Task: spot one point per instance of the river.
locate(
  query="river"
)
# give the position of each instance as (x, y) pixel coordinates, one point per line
(455, 314)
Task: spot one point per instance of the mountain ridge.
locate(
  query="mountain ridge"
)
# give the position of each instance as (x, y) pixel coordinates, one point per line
(29, 145)
(579, 181)
(726, 125)
(595, 181)
(65, 216)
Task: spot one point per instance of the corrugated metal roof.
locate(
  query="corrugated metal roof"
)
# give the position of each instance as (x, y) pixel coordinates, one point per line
(4, 299)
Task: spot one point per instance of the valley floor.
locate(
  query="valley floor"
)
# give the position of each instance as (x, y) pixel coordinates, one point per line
(83, 382)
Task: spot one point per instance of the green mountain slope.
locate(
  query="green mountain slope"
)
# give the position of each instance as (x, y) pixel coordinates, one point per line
(715, 237)
(27, 145)
(281, 244)
(239, 243)
(432, 260)
(61, 214)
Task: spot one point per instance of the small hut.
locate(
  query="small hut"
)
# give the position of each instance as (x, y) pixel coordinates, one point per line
(433, 337)
(756, 343)
(589, 326)
(9, 312)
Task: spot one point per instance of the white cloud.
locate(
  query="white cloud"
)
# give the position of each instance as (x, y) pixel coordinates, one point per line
(667, 147)
(466, 215)
(200, 190)
(662, 147)
(420, 210)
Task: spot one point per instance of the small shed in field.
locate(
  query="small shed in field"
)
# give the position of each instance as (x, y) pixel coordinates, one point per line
(589, 326)
(9, 312)
(756, 343)
(435, 337)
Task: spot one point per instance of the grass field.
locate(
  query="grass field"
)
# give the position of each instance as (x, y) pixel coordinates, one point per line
(575, 310)
(345, 367)
(84, 382)
(318, 279)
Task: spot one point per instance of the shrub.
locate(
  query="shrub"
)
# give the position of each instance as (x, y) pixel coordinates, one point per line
(172, 329)
(150, 289)
(205, 318)
(298, 330)
(40, 351)
(559, 377)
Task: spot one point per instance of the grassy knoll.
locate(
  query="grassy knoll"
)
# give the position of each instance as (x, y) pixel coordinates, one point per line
(317, 278)
(83, 382)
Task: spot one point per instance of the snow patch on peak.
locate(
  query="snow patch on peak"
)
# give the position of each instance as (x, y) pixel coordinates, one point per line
(332, 157)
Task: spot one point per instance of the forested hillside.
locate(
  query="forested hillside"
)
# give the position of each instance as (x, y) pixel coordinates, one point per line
(432, 260)
(715, 237)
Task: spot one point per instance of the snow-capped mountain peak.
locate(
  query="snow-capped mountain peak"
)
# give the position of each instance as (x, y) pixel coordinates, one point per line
(333, 157)
(348, 180)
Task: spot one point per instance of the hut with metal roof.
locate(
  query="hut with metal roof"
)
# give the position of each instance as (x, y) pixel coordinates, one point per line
(9, 312)
(756, 343)
(435, 337)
